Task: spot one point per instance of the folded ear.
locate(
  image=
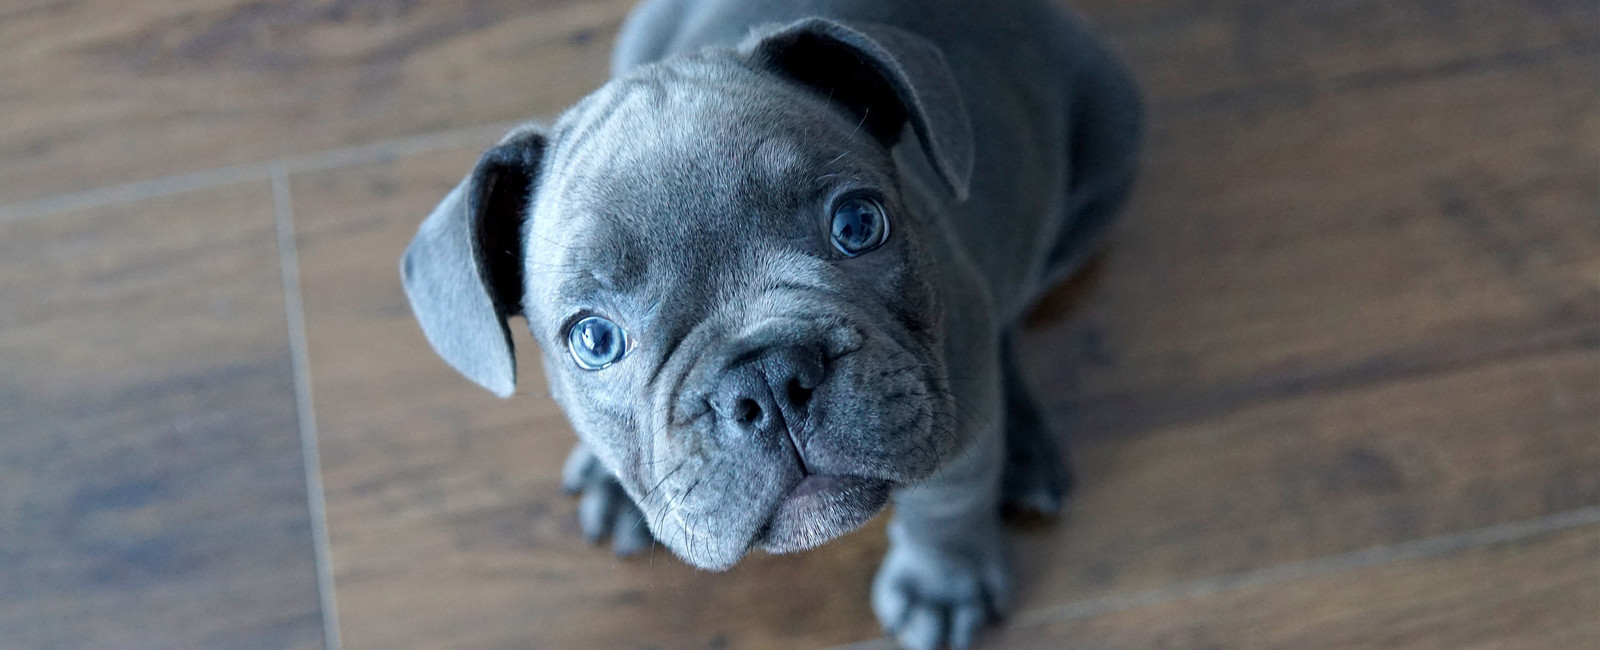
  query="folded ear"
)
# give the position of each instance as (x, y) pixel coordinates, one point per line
(463, 270)
(884, 77)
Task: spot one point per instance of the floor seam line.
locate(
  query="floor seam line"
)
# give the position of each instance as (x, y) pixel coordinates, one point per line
(253, 171)
(305, 411)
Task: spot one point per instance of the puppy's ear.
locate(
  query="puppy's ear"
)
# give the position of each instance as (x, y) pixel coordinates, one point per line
(463, 271)
(884, 77)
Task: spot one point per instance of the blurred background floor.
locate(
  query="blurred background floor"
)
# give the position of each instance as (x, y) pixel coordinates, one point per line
(1335, 383)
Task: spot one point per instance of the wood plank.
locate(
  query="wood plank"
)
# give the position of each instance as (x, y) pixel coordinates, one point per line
(1542, 592)
(1224, 55)
(1366, 233)
(102, 92)
(1327, 473)
(152, 493)
(1412, 263)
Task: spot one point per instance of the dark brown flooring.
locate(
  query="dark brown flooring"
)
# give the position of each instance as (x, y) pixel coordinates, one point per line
(1335, 384)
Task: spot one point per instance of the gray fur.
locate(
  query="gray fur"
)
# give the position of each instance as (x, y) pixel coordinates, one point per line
(687, 200)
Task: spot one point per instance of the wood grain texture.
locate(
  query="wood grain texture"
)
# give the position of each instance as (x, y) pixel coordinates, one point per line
(151, 487)
(1355, 302)
(102, 92)
(1537, 593)
(1221, 56)
(1289, 480)
(1355, 235)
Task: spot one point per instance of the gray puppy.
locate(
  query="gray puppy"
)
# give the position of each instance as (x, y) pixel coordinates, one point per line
(776, 266)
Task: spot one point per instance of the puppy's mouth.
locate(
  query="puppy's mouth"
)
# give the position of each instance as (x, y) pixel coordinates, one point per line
(820, 508)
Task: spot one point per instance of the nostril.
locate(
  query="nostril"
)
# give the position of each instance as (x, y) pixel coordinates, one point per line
(798, 394)
(747, 411)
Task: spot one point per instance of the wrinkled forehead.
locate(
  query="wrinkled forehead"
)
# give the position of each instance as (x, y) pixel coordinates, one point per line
(670, 147)
(697, 129)
(688, 172)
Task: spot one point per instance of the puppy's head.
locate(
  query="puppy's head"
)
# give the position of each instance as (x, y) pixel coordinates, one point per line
(737, 308)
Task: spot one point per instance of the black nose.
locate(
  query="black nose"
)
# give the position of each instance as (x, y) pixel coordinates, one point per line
(769, 391)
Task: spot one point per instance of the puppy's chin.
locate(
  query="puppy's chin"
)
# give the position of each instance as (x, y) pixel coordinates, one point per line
(815, 510)
(821, 508)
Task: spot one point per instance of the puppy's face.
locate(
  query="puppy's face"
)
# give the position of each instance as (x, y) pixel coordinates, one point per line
(737, 311)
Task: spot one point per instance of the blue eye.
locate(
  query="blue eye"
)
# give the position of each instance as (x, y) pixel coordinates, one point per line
(596, 342)
(859, 225)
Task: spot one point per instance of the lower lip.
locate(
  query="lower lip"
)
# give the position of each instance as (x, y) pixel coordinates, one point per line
(815, 483)
(821, 508)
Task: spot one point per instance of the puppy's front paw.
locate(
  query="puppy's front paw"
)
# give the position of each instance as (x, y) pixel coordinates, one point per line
(604, 510)
(935, 595)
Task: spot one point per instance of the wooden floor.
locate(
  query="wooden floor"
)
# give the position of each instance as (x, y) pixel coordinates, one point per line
(1336, 383)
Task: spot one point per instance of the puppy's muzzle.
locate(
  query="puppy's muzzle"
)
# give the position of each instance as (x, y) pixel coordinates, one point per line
(767, 394)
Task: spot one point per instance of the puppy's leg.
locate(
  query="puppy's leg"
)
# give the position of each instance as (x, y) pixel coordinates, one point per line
(948, 571)
(1107, 128)
(1038, 476)
(604, 510)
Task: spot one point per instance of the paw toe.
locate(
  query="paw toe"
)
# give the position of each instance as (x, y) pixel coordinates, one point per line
(924, 601)
(965, 622)
(579, 470)
(629, 535)
(923, 629)
(1038, 499)
(596, 512)
(890, 603)
(604, 509)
